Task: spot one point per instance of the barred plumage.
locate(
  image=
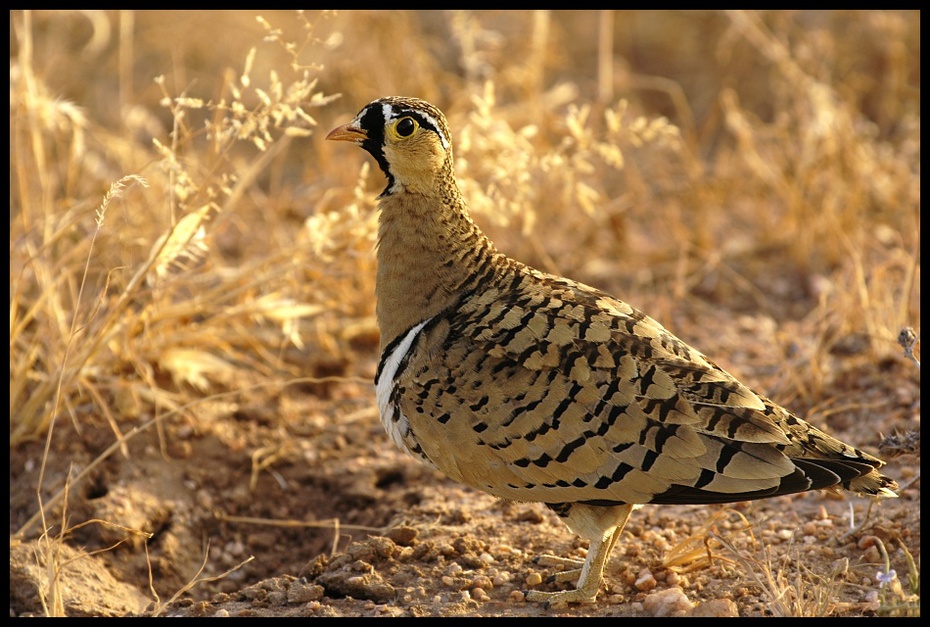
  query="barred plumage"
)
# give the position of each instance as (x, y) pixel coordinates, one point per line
(534, 387)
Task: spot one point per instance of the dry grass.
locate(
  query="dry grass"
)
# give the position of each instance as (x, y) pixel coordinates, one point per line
(762, 163)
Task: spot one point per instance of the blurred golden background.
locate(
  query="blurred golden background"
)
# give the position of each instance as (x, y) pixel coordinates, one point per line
(755, 161)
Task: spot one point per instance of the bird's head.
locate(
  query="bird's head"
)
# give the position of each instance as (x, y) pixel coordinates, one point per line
(410, 140)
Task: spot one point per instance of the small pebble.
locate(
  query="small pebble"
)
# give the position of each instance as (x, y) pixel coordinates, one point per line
(645, 581)
(671, 602)
(716, 608)
(479, 595)
(482, 582)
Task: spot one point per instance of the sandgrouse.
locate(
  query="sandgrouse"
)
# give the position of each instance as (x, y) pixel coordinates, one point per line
(534, 387)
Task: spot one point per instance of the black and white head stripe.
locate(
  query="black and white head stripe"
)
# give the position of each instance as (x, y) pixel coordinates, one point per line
(371, 120)
(374, 118)
(395, 110)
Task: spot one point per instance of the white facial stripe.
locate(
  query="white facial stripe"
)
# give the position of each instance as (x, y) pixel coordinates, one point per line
(388, 112)
(435, 124)
(386, 385)
(390, 115)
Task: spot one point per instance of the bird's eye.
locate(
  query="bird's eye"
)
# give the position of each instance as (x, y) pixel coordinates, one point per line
(406, 127)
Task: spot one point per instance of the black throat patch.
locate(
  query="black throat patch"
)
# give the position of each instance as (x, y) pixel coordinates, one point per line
(372, 122)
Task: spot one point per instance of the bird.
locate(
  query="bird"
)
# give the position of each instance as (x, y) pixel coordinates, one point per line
(533, 387)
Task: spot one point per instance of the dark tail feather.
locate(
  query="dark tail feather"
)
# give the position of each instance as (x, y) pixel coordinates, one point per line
(809, 474)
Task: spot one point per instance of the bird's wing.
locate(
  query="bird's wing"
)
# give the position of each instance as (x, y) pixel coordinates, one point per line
(559, 393)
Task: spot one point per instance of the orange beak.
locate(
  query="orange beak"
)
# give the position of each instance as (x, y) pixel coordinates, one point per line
(347, 133)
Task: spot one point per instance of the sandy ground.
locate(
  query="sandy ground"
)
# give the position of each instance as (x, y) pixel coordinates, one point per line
(340, 523)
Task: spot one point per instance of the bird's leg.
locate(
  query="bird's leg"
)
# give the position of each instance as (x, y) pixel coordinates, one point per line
(574, 572)
(589, 576)
(591, 573)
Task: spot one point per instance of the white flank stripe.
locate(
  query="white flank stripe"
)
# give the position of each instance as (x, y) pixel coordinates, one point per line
(386, 384)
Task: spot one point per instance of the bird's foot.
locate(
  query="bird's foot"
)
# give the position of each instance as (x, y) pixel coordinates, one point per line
(572, 574)
(584, 593)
